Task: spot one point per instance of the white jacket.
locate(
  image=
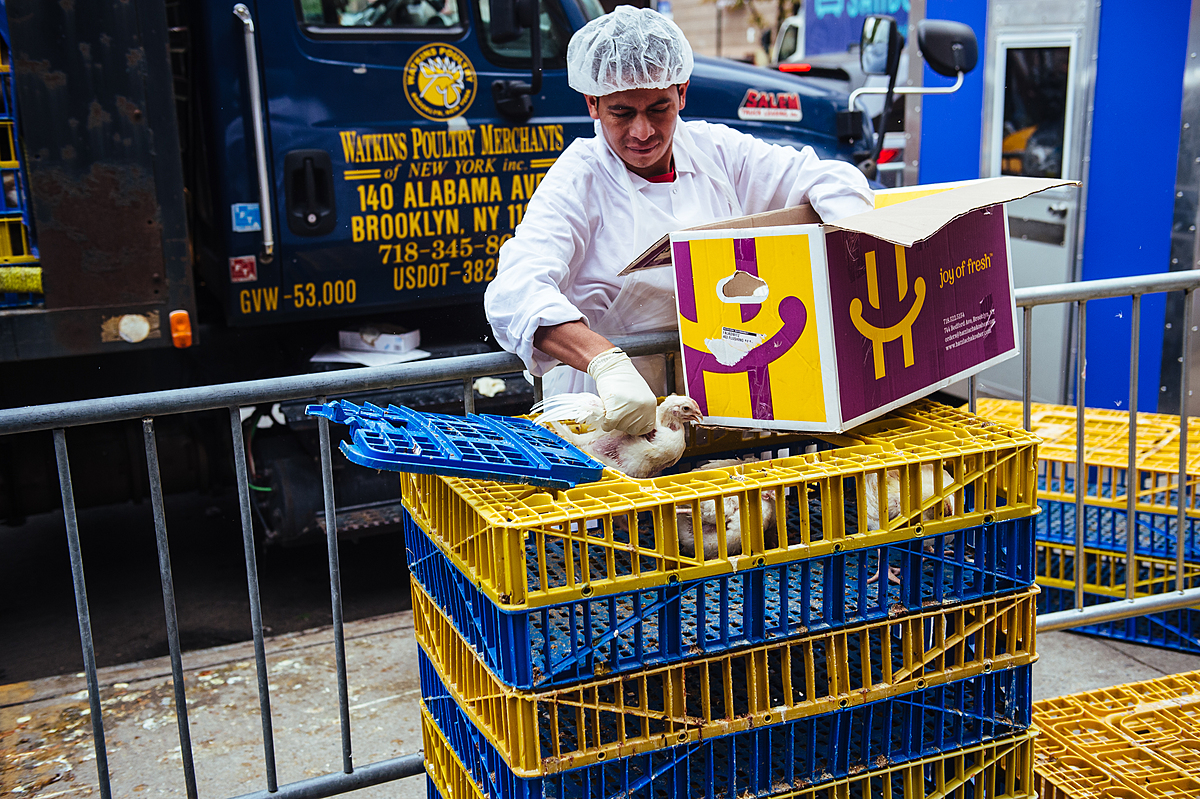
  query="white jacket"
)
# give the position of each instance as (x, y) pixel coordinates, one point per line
(590, 217)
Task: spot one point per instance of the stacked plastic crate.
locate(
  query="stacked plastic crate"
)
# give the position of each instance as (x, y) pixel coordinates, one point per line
(1135, 741)
(1106, 454)
(569, 647)
(20, 274)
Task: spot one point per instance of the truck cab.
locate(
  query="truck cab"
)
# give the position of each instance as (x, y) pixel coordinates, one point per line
(209, 192)
(394, 172)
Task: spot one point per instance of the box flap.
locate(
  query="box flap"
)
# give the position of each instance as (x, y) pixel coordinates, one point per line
(912, 221)
(659, 253)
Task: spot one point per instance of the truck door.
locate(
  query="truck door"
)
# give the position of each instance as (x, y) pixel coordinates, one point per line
(394, 179)
(1036, 91)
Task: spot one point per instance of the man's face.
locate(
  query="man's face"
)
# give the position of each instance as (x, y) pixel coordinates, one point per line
(639, 125)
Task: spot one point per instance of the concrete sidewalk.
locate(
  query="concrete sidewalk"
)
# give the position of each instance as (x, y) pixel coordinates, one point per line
(46, 739)
(46, 743)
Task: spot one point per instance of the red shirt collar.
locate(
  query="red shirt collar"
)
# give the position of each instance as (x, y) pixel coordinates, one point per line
(666, 177)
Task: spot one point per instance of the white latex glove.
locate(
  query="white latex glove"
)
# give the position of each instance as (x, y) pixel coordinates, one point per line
(629, 404)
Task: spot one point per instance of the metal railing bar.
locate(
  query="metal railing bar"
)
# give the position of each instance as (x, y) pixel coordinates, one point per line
(1027, 369)
(1118, 609)
(293, 387)
(1132, 480)
(972, 394)
(256, 623)
(337, 783)
(468, 395)
(1182, 499)
(349, 381)
(169, 611)
(537, 387)
(1111, 287)
(335, 590)
(1080, 441)
(81, 610)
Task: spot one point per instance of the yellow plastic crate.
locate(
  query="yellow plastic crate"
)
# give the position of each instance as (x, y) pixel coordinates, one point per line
(996, 770)
(1106, 571)
(1136, 740)
(499, 535)
(551, 731)
(1106, 452)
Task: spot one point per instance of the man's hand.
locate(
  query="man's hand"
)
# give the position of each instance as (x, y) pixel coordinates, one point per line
(629, 404)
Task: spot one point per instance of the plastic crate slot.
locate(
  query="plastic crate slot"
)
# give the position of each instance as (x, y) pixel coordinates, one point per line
(14, 240)
(8, 146)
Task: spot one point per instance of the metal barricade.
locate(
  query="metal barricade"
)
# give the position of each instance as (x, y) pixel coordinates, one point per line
(61, 417)
(1079, 294)
(233, 396)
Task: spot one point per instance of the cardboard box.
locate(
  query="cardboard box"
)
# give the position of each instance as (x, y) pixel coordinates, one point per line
(379, 338)
(787, 323)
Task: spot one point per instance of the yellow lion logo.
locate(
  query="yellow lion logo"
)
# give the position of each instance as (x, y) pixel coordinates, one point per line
(440, 81)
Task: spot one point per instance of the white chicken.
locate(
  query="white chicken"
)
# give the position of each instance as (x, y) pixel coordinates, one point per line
(732, 520)
(892, 491)
(636, 456)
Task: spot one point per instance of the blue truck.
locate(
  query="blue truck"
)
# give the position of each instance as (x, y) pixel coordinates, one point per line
(209, 191)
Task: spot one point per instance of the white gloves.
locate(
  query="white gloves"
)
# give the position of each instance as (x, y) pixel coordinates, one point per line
(629, 404)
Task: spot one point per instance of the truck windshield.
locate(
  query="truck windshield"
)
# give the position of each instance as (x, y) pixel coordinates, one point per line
(379, 13)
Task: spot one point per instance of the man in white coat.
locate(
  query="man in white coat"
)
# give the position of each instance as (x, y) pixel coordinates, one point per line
(557, 295)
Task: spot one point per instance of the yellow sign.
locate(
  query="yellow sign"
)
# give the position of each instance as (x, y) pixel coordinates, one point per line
(439, 81)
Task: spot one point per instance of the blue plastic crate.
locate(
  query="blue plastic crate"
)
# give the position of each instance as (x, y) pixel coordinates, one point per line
(764, 760)
(1105, 528)
(1174, 629)
(502, 448)
(1171, 629)
(561, 644)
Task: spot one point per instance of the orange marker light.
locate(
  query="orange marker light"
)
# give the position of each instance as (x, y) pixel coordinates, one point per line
(181, 329)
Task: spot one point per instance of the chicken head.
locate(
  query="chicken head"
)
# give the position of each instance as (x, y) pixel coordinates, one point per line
(674, 411)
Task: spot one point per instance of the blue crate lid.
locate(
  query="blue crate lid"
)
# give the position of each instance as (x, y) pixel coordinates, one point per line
(484, 446)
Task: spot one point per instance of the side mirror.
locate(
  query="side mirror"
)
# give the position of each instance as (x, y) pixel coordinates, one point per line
(880, 46)
(509, 17)
(948, 47)
(513, 98)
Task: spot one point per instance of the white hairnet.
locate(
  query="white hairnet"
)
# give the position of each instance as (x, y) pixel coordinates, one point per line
(631, 48)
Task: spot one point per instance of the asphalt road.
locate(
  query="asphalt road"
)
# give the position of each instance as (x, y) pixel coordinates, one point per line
(39, 630)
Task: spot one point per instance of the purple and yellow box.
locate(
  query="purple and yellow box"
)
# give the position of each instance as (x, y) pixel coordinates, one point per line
(787, 323)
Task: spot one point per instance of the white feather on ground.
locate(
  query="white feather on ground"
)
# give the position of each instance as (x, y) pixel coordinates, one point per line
(637, 456)
(892, 497)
